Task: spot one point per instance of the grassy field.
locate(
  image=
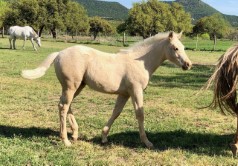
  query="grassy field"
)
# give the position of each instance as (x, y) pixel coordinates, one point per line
(182, 133)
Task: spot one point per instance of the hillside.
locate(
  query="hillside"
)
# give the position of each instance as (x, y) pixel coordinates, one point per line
(116, 11)
(109, 10)
(199, 9)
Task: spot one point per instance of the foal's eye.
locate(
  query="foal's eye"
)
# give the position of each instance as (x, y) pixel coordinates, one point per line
(175, 49)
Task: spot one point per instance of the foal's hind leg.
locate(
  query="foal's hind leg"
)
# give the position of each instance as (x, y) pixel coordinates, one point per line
(72, 121)
(73, 124)
(64, 105)
(120, 103)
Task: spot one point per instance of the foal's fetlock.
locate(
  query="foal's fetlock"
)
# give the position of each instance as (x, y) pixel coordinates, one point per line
(104, 134)
(234, 148)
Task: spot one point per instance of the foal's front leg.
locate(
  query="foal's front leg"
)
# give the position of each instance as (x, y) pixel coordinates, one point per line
(120, 103)
(137, 100)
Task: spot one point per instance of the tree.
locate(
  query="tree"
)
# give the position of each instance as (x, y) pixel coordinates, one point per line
(181, 20)
(76, 12)
(215, 25)
(122, 27)
(56, 10)
(50, 14)
(21, 12)
(3, 8)
(233, 34)
(149, 18)
(99, 25)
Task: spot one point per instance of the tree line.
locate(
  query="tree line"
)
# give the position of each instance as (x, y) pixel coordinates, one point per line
(146, 18)
(64, 15)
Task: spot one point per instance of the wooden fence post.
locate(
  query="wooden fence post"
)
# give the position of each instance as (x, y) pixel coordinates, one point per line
(124, 39)
(3, 32)
(196, 43)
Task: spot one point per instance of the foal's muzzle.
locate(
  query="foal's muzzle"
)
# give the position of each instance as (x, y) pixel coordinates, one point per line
(187, 65)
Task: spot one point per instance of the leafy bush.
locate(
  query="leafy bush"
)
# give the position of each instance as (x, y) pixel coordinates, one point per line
(205, 36)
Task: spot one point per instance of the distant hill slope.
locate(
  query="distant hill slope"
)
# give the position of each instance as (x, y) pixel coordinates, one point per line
(109, 10)
(199, 9)
(116, 11)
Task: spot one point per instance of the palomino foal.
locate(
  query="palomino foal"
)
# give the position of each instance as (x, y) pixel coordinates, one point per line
(126, 74)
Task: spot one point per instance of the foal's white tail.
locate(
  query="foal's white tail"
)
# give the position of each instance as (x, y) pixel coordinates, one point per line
(41, 69)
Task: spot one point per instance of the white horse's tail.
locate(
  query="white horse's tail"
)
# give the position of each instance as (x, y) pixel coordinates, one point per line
(41, 69)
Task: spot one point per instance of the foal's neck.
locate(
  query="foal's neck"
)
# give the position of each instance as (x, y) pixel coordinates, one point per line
(154, 57)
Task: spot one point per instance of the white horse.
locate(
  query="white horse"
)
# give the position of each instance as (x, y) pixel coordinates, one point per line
(17, 32)
(126, 74)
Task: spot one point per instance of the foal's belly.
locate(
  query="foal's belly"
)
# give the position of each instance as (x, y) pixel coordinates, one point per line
(106, 74)
(107, 84)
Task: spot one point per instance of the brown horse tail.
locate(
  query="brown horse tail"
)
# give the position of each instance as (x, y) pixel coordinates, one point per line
(224, 80)
(41, 69)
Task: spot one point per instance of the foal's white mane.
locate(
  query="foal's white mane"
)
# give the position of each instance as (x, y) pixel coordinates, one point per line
(147, 43)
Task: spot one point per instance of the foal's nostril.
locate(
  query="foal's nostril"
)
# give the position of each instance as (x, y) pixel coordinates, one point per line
(186, 65)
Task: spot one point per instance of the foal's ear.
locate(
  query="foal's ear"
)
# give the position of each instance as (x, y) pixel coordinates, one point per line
(171, 35)
(180, 35)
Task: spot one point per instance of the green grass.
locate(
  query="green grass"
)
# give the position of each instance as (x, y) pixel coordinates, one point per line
(182, 133)
(207, 45)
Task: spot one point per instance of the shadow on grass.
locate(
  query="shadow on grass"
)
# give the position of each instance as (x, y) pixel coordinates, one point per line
(199, 143)
(12, 131)
(5, 48)
(194, 78)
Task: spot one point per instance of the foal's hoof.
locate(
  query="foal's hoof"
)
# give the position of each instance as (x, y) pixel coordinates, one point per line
(67, 143)
(234, 148)
(149, 145)
(104, 140)
(75, 139)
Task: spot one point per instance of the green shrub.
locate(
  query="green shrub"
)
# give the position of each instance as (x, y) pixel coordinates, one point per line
(205, 36)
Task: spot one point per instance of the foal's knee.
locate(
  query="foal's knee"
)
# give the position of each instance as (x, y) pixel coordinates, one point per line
(63, 107)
